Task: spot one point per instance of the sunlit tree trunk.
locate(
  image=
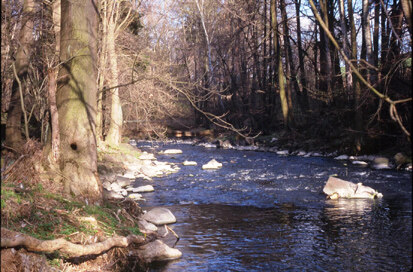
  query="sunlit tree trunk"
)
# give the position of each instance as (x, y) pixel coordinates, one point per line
(278, 63)
(366, 51)
(289, 63)
(14, 137)
(76, 100)
(407, 11)
(116, 116)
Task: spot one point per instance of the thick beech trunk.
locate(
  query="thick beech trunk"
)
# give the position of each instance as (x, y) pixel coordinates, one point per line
(76, 100)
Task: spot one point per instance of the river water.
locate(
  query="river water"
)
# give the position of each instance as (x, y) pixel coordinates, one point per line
(265, 212)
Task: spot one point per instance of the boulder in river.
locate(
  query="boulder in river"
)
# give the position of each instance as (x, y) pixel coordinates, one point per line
(189, 163)
(336, 188)
(143, 189)
(158, 251)
(171, 151)
(212, 164)
(135, 196)
(147, 156)
(341, 157)
(159, 216)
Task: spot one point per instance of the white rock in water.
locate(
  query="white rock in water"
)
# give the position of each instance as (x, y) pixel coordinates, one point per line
(212, 164)
(381, 166)
(189, 163)
(336, 188)
(159, 216)
(143, 189)
(362, 163)
(135, 196)
(301, 153)
(208, 145)
(282, 152)
(341, 157)
(171, 151)
(112, 195)
(158, 251)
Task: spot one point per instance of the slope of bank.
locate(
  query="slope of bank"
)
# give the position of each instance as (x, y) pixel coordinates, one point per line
(43, 230)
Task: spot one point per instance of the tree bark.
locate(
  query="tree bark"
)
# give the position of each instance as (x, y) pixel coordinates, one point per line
(54, 114)
(76, 100)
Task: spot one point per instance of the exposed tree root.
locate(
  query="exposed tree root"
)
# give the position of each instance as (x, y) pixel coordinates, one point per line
(15, 239)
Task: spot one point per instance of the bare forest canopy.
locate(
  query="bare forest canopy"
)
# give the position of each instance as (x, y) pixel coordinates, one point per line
(335, 71)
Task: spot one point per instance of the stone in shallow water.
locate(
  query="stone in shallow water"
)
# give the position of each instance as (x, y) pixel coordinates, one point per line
(189, 163)
(159, 216)
(341, 157)
(158, 251)
(361, 163)
(212, 164)
(143, 189)
(171, 151)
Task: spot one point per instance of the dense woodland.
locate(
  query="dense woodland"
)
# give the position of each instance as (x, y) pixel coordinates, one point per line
(78, 74)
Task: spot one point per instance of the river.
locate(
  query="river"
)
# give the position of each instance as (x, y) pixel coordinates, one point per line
(265, 212)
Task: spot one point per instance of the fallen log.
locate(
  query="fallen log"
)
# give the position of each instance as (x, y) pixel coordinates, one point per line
(13, 239)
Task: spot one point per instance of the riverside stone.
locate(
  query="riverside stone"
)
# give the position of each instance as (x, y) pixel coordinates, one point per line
(147, 156)
(123, 181)
(212, 164)
(135, 196)
(158, 251)
(159, 216)
(362, 163)
(145, 225)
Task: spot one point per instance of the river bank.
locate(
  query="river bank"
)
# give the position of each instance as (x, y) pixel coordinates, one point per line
(118, 234)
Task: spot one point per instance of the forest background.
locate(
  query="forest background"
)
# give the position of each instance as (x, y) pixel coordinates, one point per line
(331, 74)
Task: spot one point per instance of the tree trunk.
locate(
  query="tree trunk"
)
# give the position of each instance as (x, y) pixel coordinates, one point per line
(54, 114)
(348, 83)
(76, 100)
(115, 128)
(325, 57)
(303, 84)
(358, 116)
(407, 11)
(278, 63)
(14, 137)
(367, 53)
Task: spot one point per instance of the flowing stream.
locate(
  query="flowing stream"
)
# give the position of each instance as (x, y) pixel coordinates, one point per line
(265, 212)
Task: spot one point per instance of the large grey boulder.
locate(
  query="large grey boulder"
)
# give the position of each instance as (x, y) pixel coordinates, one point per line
(159, 216)
(336, 188)
(147, 156)
(158, 251)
